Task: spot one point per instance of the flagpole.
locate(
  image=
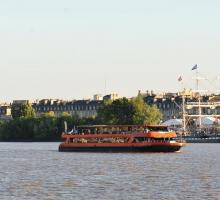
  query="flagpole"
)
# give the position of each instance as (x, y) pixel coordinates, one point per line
(197, 79)
(199, 96)
(184, 114)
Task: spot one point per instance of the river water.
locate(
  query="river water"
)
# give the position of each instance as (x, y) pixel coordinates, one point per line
(39, 171)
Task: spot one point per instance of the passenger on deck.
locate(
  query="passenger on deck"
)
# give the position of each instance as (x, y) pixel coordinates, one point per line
(146, 130)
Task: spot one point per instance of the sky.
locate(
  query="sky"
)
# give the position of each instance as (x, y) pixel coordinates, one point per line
(74, 49)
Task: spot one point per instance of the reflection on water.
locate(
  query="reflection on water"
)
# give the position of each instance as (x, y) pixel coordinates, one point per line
(39, 171)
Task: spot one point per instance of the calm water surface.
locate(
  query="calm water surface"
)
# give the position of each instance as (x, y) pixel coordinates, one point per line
(39, 171)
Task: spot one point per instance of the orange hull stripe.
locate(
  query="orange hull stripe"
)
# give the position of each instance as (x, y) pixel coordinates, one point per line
(141, 144)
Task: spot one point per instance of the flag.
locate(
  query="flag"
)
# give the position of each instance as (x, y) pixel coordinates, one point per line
(194, 67)
(180, 78)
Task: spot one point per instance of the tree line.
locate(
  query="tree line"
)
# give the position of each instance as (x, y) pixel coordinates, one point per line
(25, 126)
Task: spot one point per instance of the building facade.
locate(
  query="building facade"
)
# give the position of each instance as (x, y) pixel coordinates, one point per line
(170, 104)
(5, 111)
(81, 108)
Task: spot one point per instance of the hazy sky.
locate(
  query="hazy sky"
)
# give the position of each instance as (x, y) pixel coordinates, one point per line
(73, 49)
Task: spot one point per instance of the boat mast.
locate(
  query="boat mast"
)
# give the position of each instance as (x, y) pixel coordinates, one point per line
(197, 78)
(200, 113)
(199, 105)
(184, 114)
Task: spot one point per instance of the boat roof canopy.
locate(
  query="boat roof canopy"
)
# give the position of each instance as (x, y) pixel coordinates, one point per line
(121, 126)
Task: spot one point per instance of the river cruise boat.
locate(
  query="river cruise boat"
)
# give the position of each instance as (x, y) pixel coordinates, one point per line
(121, 138)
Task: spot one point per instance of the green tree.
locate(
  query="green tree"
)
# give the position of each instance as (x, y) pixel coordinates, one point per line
(71, 121)
(144, 113)
(88, 120)
(22, 110)
(119, 111)
(153, 115)
(18, 129)
(65, 114)
(49, 114)
(45, 128)
(104, 112)
(124, 111)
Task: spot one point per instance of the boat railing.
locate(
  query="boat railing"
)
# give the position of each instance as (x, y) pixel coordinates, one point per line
(120, 140)
(76, 132)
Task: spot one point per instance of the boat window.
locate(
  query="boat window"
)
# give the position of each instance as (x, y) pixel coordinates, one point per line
(158, 128)
(140, 139)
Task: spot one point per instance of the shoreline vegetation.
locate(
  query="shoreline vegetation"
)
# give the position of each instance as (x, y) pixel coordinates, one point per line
(26, 127)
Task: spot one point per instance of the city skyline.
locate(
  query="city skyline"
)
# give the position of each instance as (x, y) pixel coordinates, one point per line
(73, 50)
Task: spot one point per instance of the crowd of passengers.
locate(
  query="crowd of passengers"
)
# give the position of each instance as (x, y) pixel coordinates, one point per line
(96, 131)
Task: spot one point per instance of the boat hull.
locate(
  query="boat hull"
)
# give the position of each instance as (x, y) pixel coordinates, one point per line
(118, 149)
